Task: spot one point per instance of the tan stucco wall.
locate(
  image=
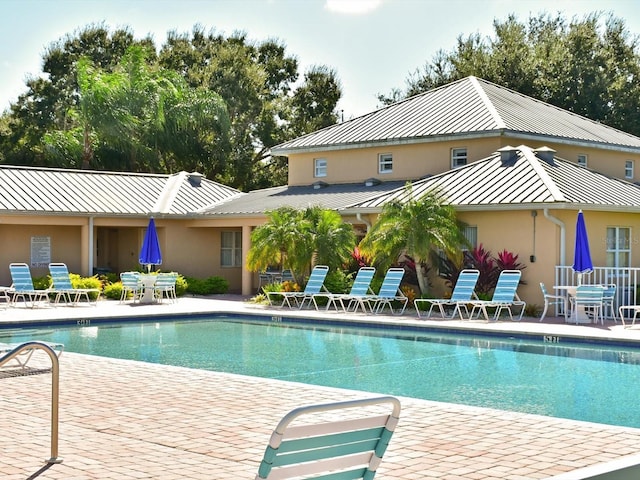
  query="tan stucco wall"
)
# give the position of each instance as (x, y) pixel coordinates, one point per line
(417, 160)
(409, 161)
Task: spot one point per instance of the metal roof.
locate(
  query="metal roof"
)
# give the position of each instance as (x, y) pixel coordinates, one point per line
(86, 192)
(333, 196)
(526, 181)
(470, 106)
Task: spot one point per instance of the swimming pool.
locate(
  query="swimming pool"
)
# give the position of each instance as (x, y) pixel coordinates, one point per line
(582, 382)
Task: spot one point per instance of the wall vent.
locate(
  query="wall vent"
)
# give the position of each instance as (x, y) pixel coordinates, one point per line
(320, 184)
(508, 155)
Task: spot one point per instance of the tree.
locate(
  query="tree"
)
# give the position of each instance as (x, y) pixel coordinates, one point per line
(581, 66)
(417, 227)
(296, 239)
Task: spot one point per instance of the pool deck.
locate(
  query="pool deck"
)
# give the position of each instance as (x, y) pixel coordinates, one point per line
(124, 420)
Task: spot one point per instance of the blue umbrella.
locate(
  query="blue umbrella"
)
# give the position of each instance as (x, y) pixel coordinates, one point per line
(582, 256)
(150, 252)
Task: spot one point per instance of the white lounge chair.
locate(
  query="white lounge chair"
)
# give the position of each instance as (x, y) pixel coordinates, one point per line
(315, 285)
(390, 292)
(63, 288)
(504, 297)
(463, 291)
(22, 286)
(359, 296)
(347, 444)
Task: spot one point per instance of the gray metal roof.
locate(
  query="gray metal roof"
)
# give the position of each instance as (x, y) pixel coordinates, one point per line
(81, 192)
(525, 182)
(334, 197)
(470, 107)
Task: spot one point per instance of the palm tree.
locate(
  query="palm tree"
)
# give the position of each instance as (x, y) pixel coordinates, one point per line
(417, 227)
(278, 240)
(333, 239)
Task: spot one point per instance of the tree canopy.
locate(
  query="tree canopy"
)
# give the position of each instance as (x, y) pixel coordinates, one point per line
(202, 102)
(589, 66)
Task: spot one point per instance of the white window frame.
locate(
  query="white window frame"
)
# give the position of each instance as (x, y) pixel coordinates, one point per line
(385, 163)
(583, 160)
(628, 169)
(458, 157)
(618, 245)
(319, 167)
(470, 232)
(231, 249)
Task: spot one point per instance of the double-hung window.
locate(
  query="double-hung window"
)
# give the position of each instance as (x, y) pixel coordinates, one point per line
(385, 163)
(231, 249)
(628, 169)
(618, 247)
(319, 167)
(458, 157)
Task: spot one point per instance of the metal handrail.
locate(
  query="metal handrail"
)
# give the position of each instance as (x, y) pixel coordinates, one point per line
(55, 388)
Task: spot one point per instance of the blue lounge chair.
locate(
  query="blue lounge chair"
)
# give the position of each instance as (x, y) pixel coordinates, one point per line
(63, 288)
(315, 285)
(504, 297)
(22, 286)
(390, 292)
(463, 291)
(349, 445)
(359, 296)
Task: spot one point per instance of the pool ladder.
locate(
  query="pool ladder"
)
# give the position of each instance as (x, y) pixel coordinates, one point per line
(28, 348)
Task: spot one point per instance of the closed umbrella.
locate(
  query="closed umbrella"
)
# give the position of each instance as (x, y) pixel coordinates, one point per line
(150, 252)
(582, 256)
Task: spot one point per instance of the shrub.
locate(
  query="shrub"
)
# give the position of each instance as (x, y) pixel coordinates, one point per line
(207, 286)
(112, 291)
(86, 282)
(338, 281)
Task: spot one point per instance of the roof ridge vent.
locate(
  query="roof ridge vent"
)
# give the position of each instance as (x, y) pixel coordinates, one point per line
(545, 153)
(370, 182)
(508, 154)
(320, 184)
(195, 179)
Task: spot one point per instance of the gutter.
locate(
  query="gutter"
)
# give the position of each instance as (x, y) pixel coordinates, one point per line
(563, 231)
(367, 223)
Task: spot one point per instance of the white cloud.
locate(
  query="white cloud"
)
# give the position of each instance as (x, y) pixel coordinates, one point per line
(353, 7)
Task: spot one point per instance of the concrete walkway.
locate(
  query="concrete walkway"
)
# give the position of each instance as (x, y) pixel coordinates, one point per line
(125, 420)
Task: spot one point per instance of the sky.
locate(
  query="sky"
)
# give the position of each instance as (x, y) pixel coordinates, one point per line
(373, 45)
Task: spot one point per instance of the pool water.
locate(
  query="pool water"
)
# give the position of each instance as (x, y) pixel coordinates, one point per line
(581, 382)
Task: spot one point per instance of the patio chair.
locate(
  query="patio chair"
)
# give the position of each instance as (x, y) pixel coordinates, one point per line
(22, 286)
(504, 297)
(131, 284)
(165, 287)
(608, 301)
(588, 300)
(359, 297)
(63, 288)
(390, 292)
(463, 291)
(315, 285)
(344, 440)
(19, 361)
(551, 299)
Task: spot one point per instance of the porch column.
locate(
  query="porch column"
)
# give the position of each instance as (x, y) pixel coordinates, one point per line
(85, 246)
(247, 276)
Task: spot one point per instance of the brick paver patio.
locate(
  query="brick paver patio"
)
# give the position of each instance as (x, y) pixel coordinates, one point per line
(125, 420)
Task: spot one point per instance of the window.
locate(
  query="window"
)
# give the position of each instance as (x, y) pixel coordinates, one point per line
(471, 234)
(628, 169)
(231, 249)
(458, 157)
(618, 247)
(582, 160)
(385, 163)
(320, 167)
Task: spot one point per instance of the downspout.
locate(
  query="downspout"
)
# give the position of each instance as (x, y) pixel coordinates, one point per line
(366, 222)
(90, 262)
(563, 231)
